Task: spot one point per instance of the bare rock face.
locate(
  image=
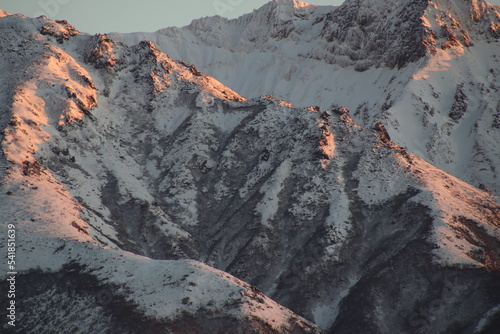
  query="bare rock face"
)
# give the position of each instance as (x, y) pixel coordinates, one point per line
(101, 54)
(173, 203)
(388, 33)
(460, 105)
(60, 29)
(398, 32)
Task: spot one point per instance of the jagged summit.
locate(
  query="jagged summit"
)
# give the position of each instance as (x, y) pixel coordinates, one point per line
(363, 33)
(368, 33)
(388, 33)
(257, 30)
(289, 3)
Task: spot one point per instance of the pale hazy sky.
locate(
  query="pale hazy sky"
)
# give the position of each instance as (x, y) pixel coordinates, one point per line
(93, 16)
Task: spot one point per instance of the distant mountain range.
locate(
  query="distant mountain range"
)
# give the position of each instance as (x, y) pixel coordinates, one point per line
(281, 184)
(428, 70)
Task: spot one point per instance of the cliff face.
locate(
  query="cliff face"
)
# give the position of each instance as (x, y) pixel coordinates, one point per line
(396, 33)
(123, 170)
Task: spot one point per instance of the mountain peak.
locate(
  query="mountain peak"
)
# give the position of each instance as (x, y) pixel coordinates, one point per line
(3, 13)
(291, 3)
(281, 10)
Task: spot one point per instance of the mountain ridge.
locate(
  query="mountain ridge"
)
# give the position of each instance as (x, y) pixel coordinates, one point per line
(314, 63)
(57, 241)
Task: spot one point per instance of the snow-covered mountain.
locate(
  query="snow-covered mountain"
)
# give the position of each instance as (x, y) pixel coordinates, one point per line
(74, 273)
(147, 196)
(428, 70)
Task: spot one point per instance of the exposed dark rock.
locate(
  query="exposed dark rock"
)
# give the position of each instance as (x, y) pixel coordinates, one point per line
(460, 104)
(384, 135)
(61, 30)
(101, 53)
